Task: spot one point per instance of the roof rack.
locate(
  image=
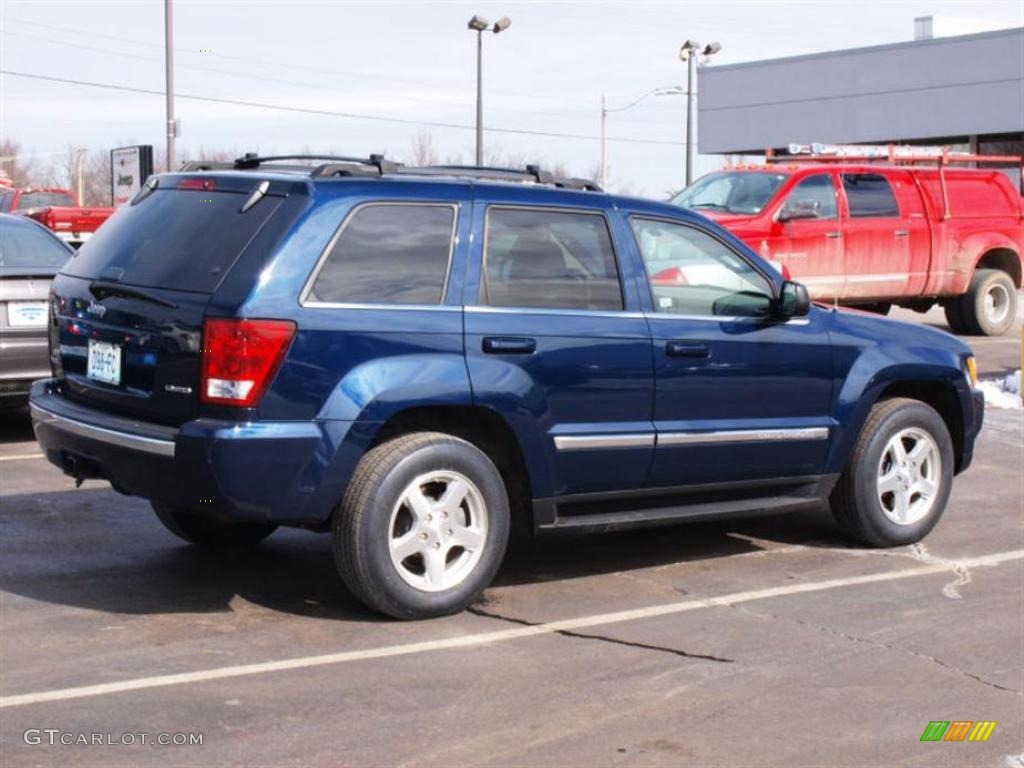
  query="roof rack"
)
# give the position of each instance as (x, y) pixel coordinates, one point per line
(378, 165)
(531, 174)
(341, 165)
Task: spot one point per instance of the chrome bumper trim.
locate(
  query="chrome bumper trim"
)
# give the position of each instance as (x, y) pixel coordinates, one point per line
(112, 437)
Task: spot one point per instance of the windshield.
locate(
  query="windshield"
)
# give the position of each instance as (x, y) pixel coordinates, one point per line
(731, 191)
(41, 199)
(25, 247)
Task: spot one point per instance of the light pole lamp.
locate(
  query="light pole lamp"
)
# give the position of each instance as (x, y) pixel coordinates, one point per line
(670, 90)
(480, 25)
(689, 52)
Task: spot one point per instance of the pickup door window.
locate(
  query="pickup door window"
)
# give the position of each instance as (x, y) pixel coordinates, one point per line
(738, 394)
(876, 241)
(810, 239)
(550, 344)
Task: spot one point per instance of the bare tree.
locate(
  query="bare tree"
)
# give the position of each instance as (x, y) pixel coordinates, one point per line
(19, 168)
(422, 150)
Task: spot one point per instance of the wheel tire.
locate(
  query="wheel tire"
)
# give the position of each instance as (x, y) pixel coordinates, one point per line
(856, 501)
(208, 532)
(366, 520)
(979, 318)
(955, 315)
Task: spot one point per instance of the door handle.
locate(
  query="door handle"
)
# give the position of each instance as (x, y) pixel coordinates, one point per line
(901, 233)
(833, 235)
(687, 349)
(507, 345)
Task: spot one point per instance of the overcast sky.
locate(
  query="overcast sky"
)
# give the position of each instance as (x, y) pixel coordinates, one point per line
(410, 61)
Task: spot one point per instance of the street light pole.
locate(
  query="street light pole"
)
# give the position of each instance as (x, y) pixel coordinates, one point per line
(691, 72)
(169, 65)
(480, 25)
(479, 97)
(688, 53)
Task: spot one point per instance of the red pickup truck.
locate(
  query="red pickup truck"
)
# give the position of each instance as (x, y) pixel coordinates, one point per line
(869, 235)
(55, 209)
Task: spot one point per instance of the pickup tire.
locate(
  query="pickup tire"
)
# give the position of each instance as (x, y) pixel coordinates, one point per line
(896, 485)
(422, 527)
(989, 307)
(955, 315)
(196, 528)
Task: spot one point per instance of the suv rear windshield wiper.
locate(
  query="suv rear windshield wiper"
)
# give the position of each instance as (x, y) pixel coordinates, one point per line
(102, 288)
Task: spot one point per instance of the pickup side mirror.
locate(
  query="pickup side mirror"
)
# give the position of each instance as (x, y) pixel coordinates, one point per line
(800, 209)
(793, 301)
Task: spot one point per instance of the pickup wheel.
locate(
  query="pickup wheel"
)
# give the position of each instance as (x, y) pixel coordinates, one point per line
(422, 526)
(955, 315)
(990, 305)
(196, 528)
(897, 483)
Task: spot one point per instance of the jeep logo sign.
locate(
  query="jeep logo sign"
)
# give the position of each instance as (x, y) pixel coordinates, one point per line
(129, 168)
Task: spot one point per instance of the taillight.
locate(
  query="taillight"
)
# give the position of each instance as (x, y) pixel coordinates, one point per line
(240, 358)
(205, 185)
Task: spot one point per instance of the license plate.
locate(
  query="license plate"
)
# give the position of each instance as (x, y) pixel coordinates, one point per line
(104, 362)
(26, 314)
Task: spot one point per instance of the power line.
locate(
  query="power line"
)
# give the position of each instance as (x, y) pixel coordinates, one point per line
(332, 113)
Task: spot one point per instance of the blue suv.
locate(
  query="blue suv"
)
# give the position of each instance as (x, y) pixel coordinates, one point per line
(422, 360)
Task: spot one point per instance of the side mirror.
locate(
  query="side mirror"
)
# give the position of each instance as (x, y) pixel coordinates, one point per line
(793, 301)
(800, 209)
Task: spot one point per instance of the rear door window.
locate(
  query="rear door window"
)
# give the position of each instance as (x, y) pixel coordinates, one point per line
(549, 259)
(869, 196)
(182, 240)
(388, 253)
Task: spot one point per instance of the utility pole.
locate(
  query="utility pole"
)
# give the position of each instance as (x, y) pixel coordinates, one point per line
(80, 173)
(169, 65)
(604, 143)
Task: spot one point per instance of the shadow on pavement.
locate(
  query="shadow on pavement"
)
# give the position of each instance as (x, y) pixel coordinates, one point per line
(95, 549)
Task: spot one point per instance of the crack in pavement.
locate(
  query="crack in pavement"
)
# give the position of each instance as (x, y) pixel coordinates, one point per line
(877, 644)
(602, 638)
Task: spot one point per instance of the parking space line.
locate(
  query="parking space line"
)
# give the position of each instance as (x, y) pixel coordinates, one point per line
(22, 457)
(486, 638)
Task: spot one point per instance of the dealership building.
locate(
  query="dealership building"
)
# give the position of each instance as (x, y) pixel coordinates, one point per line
(965, 91)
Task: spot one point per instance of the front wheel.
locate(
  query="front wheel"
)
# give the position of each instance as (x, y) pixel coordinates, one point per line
(422, 527)
(897, 483)
(196, 528)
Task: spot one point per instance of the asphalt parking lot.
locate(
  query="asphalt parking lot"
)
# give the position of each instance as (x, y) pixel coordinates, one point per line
(759, 642)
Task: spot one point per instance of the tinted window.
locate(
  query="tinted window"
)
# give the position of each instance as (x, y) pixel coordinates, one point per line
(42, 199)
(389, 254)
(182, 240)
(869, 195)
(549, 259)
(817, 190)
(692, 273)
(24, 248)
(731, 191)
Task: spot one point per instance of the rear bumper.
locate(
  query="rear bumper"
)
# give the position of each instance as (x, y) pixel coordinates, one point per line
(24, 357)
(281, 472)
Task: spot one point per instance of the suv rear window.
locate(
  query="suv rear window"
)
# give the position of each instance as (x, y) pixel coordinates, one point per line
(183, 240)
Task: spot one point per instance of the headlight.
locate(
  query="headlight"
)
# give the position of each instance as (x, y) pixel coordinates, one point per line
(972, 370)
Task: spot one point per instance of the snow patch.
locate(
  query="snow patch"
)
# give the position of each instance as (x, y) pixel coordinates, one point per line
(1002, 393)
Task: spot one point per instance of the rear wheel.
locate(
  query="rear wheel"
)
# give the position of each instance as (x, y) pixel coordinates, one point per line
(196, 528)
(955, 315)
(422, 527)
(990, 305)
(897, 483)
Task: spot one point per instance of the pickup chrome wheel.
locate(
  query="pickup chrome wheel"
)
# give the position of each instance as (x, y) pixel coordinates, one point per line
(897, 481)
(438, 531)
(422, 527)
(908, 476)
(989, 307)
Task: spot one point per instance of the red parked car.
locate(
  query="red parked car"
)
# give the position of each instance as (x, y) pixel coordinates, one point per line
(55, 209)
(869, 235)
